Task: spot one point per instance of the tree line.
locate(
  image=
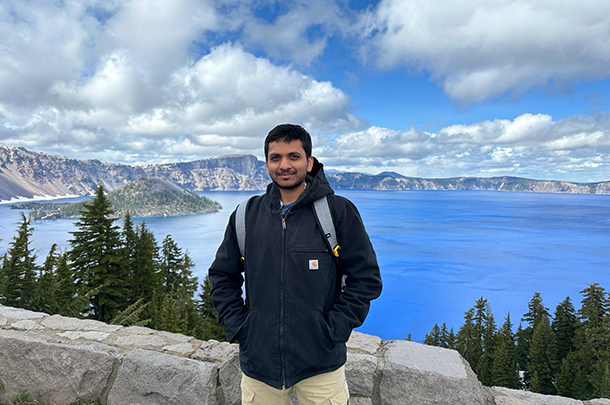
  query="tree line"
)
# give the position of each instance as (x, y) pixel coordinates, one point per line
(567, 354)
(110, 274)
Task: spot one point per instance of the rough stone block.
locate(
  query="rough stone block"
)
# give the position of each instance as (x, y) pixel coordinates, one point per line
(425, 375)
(56, 371)
(18, 313)
(362, 343)
(139, 341)
(64, 323)
(359, 400)
(178, 337)
(229, 376)
(598, 401)
(87, 335)
(359, 371)
(26, 324)
(182, 348)
(216, 352)
(507, 396)
(150, 378)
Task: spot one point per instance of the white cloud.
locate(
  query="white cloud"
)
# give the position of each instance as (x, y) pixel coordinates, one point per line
(478, 49)
(531, 145)
(287, 38)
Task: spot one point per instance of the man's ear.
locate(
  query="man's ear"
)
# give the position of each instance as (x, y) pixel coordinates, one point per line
(267, 167)
(309, 163)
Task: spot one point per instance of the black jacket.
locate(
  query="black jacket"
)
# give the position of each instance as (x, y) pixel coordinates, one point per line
(295, 320)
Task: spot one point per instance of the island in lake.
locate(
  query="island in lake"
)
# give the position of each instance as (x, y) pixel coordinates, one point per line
(145, 197)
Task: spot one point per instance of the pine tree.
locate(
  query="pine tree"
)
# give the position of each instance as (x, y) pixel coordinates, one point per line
(185, 291)
(210, 326)
(451, 340)
(591, 341)
(96, 257)
(172, 262)
(146, 274)
(504, 367)
(595, 305)
(444, 337)
(128, 252)
(170, 321)
(19, 269)
(564, 326)
(542, 365)
(69, 303)
(46, 296)
(434, 337)
(537, 312)
(468, 343)
(486, 328)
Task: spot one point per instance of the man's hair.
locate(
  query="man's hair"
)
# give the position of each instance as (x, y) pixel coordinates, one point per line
(289, 133)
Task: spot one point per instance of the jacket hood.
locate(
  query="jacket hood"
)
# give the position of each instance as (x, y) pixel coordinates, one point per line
(317, 187)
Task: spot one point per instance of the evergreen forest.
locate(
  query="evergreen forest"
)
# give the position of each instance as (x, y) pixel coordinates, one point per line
(565, 354)
(117, 275)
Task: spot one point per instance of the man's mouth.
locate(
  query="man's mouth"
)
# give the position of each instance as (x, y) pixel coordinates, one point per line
(285, 175)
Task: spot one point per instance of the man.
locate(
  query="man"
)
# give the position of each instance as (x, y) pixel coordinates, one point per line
(296, 318)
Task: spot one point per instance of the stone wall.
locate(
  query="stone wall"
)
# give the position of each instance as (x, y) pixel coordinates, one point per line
(60, 360)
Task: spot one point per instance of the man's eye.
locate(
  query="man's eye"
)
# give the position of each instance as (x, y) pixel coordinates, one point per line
(294, 157)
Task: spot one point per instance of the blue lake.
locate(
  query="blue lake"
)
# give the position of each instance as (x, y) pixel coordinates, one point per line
(439, 251)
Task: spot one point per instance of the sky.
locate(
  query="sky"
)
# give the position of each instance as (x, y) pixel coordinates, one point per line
(425, 88)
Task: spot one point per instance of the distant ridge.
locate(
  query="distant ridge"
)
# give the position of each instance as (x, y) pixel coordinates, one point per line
(145, 197)
(27, 174)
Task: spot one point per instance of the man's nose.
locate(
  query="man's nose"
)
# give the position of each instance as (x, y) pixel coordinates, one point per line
(285, 164)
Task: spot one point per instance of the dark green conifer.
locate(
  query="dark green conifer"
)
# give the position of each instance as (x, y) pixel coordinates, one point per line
(97, 258)
(46, 297)
(564, 326)
(170, 321)
(468, 342)
(434, 337)
(537, 312)
(504, 367)
(210, 327)
(172, 263)
(542, 365)
(19, 269)
(147, 264)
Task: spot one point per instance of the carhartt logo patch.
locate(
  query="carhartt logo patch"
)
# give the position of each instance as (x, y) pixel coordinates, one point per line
(313, 264)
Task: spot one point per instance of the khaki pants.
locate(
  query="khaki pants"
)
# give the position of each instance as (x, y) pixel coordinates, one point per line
(322, 389)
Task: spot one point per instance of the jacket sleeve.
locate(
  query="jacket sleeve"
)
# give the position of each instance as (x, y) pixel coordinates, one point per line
(357, 260)
(227, 280)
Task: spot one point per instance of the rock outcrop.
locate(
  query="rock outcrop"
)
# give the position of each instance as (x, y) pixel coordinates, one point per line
(63, 360)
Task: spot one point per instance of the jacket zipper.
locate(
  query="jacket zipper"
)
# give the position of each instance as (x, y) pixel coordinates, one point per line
(282, 343)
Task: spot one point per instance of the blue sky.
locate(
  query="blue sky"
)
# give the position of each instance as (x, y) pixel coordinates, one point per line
(426, 89)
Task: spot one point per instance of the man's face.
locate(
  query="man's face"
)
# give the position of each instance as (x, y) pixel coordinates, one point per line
(286, 163)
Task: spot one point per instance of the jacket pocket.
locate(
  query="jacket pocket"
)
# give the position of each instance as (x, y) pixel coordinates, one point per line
(241, 333)
(324, 326)
(309, 250)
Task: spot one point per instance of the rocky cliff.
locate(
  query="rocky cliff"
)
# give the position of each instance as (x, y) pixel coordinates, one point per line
(28, 174)
(64, 360)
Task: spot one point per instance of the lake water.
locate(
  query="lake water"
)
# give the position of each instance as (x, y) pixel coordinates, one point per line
(438, 251)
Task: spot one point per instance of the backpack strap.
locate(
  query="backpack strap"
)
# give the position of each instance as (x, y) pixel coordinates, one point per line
(240, 226)
(325, 219)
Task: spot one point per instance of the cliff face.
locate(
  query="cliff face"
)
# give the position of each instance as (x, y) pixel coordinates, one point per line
(27, 174)
(63, 360)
